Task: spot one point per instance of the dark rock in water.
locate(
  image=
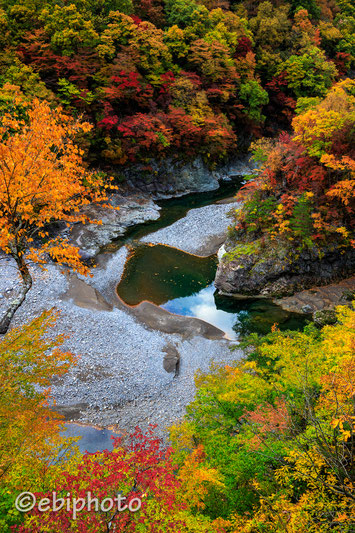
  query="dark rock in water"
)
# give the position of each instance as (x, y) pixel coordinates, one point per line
(277, 270)
(158, 318)
(321, 298)
(325, 317)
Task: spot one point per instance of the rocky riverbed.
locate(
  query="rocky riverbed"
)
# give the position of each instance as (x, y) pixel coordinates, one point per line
(120, 377)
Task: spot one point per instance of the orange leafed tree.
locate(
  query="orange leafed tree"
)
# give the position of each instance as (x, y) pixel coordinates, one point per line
(42, 179)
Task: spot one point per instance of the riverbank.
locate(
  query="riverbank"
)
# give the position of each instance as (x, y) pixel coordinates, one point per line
(275, 268)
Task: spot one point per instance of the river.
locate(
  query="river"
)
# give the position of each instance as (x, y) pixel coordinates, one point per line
(181, 283)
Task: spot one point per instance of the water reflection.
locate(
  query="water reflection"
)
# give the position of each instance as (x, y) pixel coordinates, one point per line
(160, 273)
(92, 439)
(183, 284)
(235, 317)
(202, 305)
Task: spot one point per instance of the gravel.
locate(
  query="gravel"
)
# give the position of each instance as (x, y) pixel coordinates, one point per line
(119, 379)
(194, 232)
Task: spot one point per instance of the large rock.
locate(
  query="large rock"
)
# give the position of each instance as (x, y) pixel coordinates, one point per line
(84, 295)
(277, 270)
(320, 299)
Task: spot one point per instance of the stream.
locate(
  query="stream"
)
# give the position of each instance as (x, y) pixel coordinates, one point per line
(173, 209)
(182, 283)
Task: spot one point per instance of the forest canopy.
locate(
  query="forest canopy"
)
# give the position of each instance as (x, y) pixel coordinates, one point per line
(175, 78)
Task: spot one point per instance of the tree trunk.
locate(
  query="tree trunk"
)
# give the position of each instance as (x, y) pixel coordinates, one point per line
(15, 304)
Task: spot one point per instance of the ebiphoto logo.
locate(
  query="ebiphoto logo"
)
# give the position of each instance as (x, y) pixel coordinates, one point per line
(26, 501)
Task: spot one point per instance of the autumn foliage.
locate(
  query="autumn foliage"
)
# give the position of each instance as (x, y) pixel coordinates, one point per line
(304, 190)
(42, 180)
(267, 445)
(141, 472)
(29, 431)
(277, 431)
(235, 68)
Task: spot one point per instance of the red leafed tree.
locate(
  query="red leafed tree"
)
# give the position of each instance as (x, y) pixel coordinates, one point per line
(141, 472)
(279, 100)
(267, 419)
(127, 88)
(186, 134)
(243, 47)
(301, 171)
(342, 62)
(149, 133)
(77, 69)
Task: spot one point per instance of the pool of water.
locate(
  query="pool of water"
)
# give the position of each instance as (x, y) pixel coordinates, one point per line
(161, 273)
(91, 439)
(183, 284)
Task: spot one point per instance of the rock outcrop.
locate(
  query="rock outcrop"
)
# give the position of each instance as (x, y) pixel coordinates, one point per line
(169, 178)
(277, 270)
(90, 238)
(320, 301)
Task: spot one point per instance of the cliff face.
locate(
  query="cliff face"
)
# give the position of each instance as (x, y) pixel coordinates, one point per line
(168, 178)
(277, 270)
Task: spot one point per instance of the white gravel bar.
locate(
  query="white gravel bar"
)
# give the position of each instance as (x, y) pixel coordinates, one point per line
(200, 232)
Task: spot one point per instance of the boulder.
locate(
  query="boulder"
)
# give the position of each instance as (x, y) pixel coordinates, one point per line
(325, 317)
